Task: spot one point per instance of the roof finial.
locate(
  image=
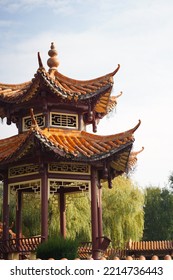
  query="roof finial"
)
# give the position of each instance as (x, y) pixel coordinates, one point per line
(52, 62)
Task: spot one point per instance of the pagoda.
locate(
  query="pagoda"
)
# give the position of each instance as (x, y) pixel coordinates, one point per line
(52, 152)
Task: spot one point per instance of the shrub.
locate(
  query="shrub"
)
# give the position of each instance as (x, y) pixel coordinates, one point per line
(57, 248)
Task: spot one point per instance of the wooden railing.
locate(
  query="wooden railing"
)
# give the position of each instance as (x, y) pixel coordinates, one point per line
(20, 245)
(85, 248)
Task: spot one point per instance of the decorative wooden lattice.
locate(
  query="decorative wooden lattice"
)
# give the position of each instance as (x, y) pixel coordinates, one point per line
(34, 185)
(23, 170)
(27, 122)
(69, 168)
(63, 120)
(56, 184)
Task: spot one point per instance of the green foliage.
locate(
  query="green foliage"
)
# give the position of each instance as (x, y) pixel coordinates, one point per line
(57, 248)
(31, 215)
(158, 222)
(123, 215)
(77, 216)
(170, 181)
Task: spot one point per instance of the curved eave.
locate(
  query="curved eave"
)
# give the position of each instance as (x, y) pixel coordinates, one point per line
(120, 162)
(15, 148)
(62, 86)
(106, 104)
(75, 94)
(16, 94)
(119, 157)
(10, 93)
(133, 159)
(113, 137)
(113, 102)
(77, 145)
(9, 147)
(75, 89)
(68, 80)
(81, 144)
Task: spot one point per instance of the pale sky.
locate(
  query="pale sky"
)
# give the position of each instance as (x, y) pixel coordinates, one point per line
(92, 38)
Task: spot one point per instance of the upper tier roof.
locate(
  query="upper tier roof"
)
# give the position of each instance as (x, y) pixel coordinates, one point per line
(70, 90)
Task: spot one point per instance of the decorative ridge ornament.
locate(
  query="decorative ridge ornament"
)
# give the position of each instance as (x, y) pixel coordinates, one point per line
(137, 152)
(40, 61)
(136, 127)
(116, 70)
(52, 62)
(118, 95)
(34, 124)
(133, 159)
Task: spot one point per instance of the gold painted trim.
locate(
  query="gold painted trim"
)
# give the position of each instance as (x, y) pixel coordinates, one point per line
(68, 181)
(11, 185)
(69, 172)
(20, 166)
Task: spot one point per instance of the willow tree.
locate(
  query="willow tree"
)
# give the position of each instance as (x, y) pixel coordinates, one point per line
(78, 218)
(123, 215)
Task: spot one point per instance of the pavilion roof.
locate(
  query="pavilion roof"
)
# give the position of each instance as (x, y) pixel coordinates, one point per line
(70, 145)
(96, 90)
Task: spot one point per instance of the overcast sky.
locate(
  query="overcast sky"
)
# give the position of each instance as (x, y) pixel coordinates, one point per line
(92, 37)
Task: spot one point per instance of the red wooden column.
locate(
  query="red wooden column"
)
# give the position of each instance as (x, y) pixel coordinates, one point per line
(62, 213)
(44, 202)
(19, 215)
(94, 213)
(100, 226)
(5, 207)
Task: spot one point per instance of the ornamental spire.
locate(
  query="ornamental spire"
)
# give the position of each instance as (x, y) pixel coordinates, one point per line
(52, 62)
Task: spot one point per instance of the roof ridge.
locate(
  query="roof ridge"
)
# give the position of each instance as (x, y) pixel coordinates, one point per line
(83, 82)
(112, 136)
(15, 86)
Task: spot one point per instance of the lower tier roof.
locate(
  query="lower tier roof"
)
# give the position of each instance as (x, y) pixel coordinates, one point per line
(70, 145)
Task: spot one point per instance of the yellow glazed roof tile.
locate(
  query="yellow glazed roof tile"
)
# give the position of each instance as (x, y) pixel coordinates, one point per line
(78, 144)
(62, 87)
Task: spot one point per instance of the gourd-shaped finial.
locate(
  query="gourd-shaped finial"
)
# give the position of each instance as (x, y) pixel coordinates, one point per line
(53, 62)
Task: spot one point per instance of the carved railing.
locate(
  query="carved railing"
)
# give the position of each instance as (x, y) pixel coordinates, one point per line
(85, 250)
(20, 245)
